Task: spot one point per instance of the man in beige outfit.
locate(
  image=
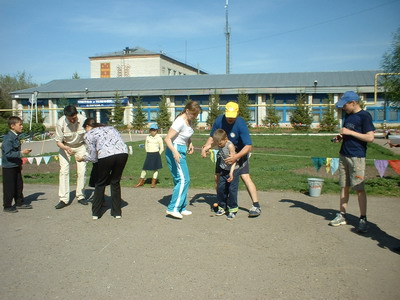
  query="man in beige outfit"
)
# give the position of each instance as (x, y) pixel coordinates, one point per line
(69, 138)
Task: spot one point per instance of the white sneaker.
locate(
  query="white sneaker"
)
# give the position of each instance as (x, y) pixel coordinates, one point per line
(174, 214)
(95, 217)
(117, 217)
(186, 212)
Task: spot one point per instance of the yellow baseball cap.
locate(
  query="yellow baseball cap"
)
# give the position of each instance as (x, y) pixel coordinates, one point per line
(231, 110)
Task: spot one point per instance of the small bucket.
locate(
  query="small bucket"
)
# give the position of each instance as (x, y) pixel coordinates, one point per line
(315, 186)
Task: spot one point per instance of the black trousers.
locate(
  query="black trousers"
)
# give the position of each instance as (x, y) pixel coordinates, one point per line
(109, 171)
(12, 186)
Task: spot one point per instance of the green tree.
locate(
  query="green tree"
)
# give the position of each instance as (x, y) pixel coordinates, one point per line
(139, 118)
(76, 76)
(391, 64)
(329, 122)
(213, 111)
(163, 117)
(61, 103)
(272, 118)
(118, 117)
(243, 101)
(8, 84)
(301, 118)
(195, 122)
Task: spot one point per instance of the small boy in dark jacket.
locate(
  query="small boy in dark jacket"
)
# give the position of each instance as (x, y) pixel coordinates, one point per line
(12, 165)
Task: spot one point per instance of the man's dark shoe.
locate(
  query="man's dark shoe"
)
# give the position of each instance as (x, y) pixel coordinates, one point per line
(10, 210)
(24, 206)
(60, 205)
(83, 201)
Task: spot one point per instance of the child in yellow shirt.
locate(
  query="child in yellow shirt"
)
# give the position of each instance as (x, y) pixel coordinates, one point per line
(154, 147)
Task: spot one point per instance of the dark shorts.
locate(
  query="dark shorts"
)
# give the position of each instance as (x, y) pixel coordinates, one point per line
(243, 169)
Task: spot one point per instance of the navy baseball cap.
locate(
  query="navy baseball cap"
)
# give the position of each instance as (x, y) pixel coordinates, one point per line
(347, 97)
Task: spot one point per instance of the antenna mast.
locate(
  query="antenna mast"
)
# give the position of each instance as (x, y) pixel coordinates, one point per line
(227, 36)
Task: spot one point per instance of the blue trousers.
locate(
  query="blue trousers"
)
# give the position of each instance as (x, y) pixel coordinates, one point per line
(180, 175)
(227, 191)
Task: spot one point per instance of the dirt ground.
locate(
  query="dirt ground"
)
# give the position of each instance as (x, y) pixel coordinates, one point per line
(289, 252)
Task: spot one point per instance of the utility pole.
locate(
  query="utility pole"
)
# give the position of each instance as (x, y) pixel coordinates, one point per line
(227, 36)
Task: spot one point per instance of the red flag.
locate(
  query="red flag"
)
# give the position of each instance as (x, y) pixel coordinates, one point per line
(24, 160)
(395, 164)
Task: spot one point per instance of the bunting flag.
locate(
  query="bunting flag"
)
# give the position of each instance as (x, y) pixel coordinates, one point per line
(328, 164)
(318, 162)
(46, 159)
(24, 160)
(334, 165)
(55, 157)
(38, 159)
(381, 166)
(213, 155)
(130, 150)
(395, 164)
(30, 159)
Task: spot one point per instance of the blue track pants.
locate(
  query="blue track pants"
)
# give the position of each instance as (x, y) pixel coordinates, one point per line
(180, 175)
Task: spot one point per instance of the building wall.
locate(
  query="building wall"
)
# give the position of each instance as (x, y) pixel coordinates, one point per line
(170, 69)
(126, 66)
(136, 66)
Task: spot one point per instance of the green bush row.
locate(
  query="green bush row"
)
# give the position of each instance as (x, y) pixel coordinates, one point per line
(36, 128)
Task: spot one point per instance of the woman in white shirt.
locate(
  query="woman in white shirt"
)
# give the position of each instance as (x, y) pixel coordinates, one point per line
(178, 141)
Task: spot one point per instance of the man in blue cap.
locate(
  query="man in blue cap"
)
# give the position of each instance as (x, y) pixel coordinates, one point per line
(357, 131)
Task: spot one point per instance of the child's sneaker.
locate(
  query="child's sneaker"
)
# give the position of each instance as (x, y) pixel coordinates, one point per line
(231, 216)
(220, 211)
(362, 226)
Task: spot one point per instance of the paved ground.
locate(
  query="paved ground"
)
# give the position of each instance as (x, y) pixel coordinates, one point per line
(289, 252)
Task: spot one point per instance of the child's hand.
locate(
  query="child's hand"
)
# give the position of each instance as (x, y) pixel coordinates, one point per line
(26, 151)
(230, 178)
(78, 158)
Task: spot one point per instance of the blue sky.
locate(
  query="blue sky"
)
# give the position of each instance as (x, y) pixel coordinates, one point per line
(52, 39)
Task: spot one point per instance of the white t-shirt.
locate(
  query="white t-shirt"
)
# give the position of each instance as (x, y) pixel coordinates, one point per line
(184, 131)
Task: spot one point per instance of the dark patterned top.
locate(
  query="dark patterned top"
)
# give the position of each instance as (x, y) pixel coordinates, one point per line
(102, 142)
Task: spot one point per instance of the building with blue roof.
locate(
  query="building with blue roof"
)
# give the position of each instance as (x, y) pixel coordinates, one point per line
(95, 96)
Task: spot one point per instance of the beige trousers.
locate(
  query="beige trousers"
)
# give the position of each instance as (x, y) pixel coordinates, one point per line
(65, 160)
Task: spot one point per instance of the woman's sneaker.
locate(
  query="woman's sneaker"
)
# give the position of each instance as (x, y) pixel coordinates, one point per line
(339, 220)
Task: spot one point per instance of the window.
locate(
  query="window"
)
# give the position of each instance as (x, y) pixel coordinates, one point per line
(380, 114)
(105, 70)
(393, 115)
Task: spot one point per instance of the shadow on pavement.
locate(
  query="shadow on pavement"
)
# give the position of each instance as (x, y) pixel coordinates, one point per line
(33, 197)
(374, 232)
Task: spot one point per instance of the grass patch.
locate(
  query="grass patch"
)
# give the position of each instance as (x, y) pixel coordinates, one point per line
(277, 163)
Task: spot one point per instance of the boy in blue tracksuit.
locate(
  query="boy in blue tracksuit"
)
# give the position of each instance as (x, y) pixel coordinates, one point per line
(11, 166)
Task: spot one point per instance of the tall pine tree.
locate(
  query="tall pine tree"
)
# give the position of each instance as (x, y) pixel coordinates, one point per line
(301, 118)
(213, 110)
(272, 118)
(329, 122)
(163, 117)
(118, 118)
(244, 112)
(139, 118)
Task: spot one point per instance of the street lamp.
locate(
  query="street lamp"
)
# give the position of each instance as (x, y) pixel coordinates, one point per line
(33, 101)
